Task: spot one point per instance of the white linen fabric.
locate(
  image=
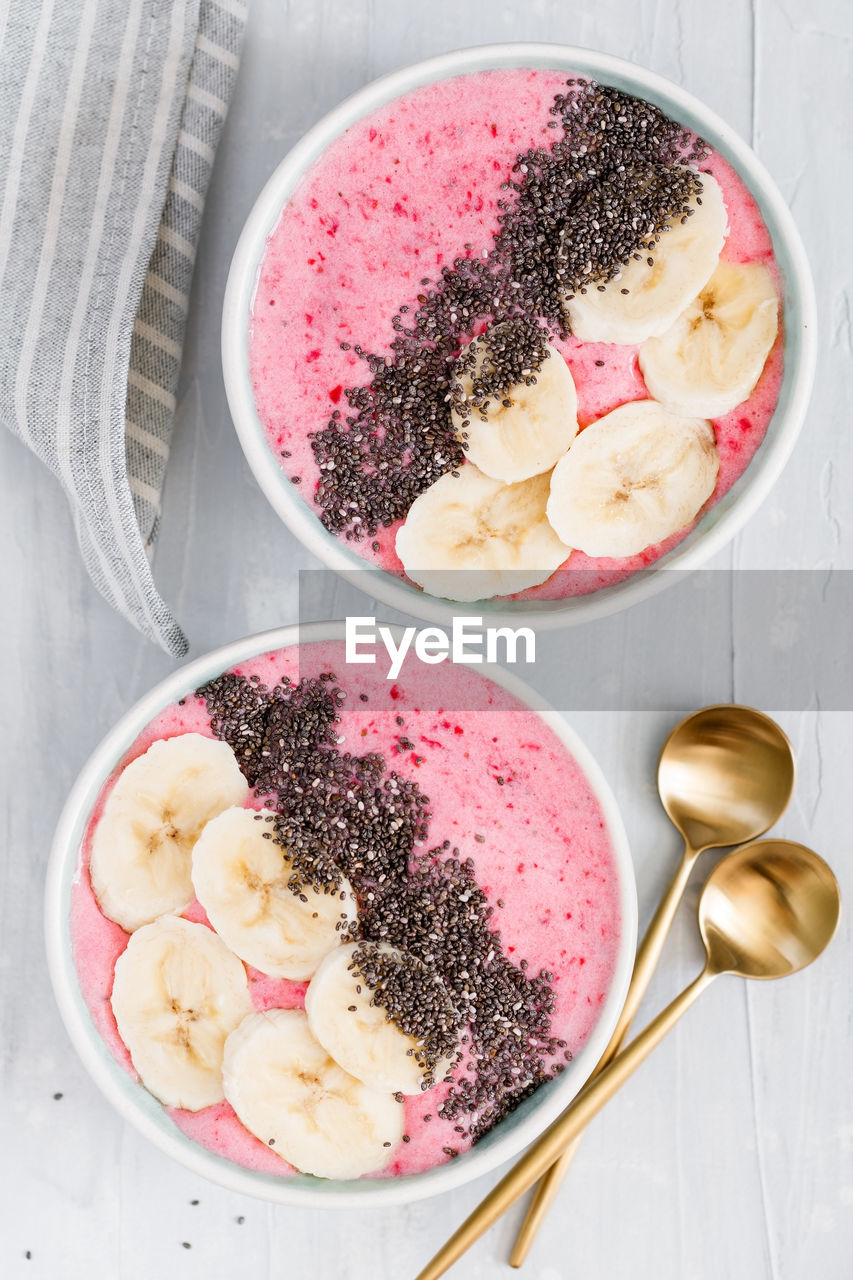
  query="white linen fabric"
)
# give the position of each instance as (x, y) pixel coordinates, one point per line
(110, 115)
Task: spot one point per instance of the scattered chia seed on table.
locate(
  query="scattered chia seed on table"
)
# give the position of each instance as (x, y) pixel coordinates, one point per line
(602, 194)
(342, 815)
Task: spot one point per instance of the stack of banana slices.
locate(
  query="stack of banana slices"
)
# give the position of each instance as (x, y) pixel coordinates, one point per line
(317, 1087)
(533, 487)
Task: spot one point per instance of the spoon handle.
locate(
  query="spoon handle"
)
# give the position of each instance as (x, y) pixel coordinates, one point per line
(648, 954)
(649, 950)
(564, 1129)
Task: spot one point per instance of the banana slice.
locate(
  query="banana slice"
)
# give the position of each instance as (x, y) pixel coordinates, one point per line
(289, 1093)
(142, 847)
(358, 1034)
(469, 537)
(682, 263)
(712, 357)
(178, 992)
(632, 478)
(241, 879)
(525, 431)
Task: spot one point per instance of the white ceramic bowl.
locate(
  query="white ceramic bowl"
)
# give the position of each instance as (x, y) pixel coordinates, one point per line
(716, 527)
(140, 1107)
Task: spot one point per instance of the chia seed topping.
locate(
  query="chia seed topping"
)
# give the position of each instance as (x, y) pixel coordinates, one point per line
(479, 1021)
(416, 1000)
(575, 214)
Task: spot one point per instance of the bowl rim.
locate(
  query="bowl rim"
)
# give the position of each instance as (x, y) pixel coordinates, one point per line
(716, 527)
(149, 1117)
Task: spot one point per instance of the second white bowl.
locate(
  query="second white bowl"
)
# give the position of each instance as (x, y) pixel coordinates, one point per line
(143, 1110)
(716, 527)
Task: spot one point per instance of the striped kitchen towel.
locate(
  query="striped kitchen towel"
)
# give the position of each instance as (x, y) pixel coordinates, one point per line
(110, 114)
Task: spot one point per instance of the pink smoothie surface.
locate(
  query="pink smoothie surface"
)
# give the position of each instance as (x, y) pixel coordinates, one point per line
(538, 839)
(390, 202)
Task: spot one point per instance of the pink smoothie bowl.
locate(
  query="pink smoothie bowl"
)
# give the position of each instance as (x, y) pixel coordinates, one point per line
(141, 1109)
(715, 527)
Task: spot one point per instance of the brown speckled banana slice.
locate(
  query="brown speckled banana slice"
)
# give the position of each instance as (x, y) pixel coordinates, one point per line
(241, 879)
(469, 537)
(712, 357)
(682, 263)
(525, 431)
(142, 846)
(288, 1092)
(178, 993)
(632, 478)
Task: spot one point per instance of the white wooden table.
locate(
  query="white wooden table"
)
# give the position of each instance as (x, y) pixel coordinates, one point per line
(729, 1155)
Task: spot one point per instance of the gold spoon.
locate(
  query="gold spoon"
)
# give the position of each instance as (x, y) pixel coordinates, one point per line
(725, 775)
(766, 910)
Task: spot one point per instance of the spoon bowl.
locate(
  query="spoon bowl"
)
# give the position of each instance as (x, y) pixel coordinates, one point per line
(724, 775)
(768, 910)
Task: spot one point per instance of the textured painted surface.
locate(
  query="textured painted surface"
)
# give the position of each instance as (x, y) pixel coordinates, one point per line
(731, 1153)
